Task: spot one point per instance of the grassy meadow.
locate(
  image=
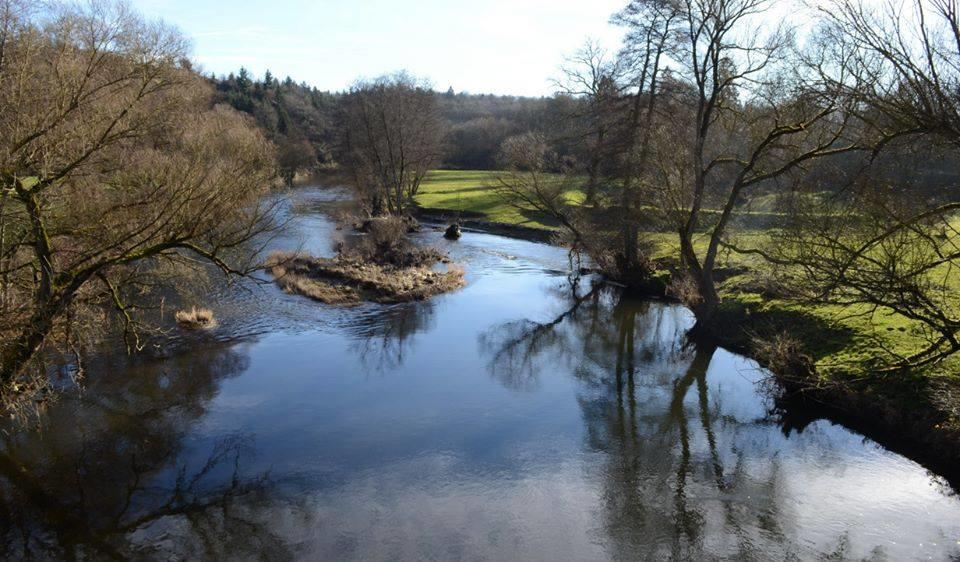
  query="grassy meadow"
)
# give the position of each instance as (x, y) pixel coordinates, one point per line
(474, 193)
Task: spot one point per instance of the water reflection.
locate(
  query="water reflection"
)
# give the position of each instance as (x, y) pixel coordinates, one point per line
(691, 457)
(113, 476)
(384, 336)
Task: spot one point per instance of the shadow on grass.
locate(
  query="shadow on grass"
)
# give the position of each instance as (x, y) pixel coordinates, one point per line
(467, 192)
(750, 319)
(462, 175)
(532, 216)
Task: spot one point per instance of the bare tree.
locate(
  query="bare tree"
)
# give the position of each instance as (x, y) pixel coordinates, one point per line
(754, 119)
(621, 103)
(893, 250)
(391, 138)
(876, 252)
(528, 184)
(293, 157)
(652, 27)
(901, 61)
(592, 78)
(111, 163)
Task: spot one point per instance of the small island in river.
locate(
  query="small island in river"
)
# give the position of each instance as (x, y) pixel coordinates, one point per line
(384, 266)
(343, 280)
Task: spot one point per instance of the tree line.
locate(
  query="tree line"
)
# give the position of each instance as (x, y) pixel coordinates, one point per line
(305, 123)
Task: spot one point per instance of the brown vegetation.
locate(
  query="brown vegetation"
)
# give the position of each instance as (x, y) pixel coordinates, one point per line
(382, 266)
(114, 168)
(784, 355)
(345, 280)
(386, 243)
(390, 138)
(195, 318)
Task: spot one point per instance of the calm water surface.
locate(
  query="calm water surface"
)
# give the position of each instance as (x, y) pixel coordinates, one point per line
(520, 418)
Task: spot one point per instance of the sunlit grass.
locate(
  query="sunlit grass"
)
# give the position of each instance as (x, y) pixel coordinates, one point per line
(474, 192)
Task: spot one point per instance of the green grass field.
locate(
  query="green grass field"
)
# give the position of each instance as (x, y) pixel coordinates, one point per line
(842, 340)
(475, 192)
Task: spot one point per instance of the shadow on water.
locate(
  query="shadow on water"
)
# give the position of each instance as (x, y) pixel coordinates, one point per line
(384, 336)
(684, 475)
(116, 479)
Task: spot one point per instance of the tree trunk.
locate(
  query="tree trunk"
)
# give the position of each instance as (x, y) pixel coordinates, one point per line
(51, 299)
(4, 279)
(593, 172)
(630, 262)
(19, 354)
(706, 310)
(591, 196)
(376, 205)
(630, 232)
(707, 300)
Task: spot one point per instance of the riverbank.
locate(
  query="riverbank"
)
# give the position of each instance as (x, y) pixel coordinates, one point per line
(470, 221)
(912, 413)
(916, 413)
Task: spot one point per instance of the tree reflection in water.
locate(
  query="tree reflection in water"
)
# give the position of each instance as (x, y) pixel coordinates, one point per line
(669, 488)
(108, 474)
(384, 334)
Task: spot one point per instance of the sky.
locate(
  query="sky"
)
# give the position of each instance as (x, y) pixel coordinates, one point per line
(481, 46)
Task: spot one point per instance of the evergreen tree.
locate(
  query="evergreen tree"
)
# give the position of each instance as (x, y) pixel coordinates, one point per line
(243, 80)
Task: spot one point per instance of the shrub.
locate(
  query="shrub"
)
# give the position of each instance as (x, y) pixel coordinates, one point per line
(386, 243)
(195, 318)
(783, 355)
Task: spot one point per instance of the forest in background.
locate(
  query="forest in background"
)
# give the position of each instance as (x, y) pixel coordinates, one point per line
(302, 122)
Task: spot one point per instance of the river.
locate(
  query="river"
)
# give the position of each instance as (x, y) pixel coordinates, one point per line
(520, 418)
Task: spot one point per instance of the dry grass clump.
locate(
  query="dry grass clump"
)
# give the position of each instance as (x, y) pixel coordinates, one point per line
(195, 318)
(784, 356)
(386, 243)
(684, 288)
(348, 280)
(408, 224)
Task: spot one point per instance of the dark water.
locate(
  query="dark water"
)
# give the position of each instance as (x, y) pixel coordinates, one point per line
(518, 419)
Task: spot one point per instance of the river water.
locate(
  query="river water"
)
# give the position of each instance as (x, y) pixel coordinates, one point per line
(520, 418)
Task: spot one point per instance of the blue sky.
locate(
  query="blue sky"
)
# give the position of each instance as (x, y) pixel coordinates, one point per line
(483, 46)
